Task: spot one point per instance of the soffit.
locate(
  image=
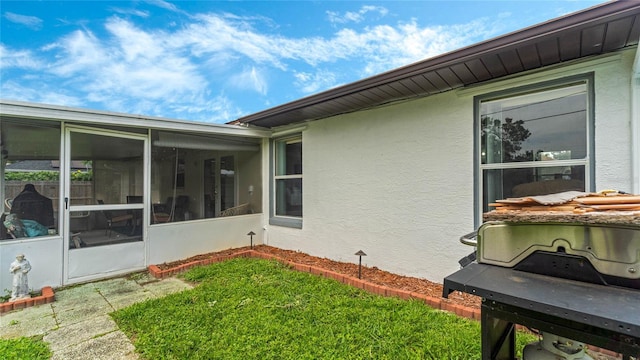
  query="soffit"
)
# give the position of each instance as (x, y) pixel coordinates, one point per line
(598, 30)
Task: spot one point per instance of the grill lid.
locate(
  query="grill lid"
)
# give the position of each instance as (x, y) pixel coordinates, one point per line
(611, 249)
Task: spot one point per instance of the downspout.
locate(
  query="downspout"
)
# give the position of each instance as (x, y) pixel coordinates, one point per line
(635, 124)
(3, 164)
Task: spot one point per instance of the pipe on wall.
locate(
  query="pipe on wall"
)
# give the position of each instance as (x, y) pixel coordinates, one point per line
(635, 124)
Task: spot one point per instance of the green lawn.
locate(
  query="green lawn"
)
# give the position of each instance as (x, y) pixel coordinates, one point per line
(260, 309)
(24, 349)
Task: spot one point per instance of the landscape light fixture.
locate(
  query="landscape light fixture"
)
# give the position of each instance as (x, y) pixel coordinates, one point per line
(360, 255)
(251, 233)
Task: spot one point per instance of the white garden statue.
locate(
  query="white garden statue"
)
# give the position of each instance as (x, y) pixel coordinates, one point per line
(19, 268)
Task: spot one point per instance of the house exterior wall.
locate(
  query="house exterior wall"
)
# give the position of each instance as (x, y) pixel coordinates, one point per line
(176, 241)
(613, 133)
(44, 255)
(165, 243)
(397, 181)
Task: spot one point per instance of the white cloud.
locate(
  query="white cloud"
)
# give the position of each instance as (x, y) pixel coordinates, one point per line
(79, 51)
(355, 16)
(32, 22)
(163, 4)
(167, 6)
(250, 79)
(134, 43)
(17, 59)
(216, 110)
(134, 12)
(222, 41)
(381, 47)
(386, 47)
(310, 83)
(210, 109)
(215, 35)
(376, 49)
(129, 71)
(44, 94)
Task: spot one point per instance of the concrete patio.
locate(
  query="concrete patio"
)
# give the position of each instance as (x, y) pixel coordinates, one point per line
(77, 324)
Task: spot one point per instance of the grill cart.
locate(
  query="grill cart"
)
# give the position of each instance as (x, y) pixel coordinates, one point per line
(574, 277)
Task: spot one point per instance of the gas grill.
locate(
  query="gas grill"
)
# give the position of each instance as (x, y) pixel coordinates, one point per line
(575, 283)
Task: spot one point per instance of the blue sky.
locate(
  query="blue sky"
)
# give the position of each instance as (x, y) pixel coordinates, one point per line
(216, 61)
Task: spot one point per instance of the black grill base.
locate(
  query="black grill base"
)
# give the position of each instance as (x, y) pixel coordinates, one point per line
(604, 316)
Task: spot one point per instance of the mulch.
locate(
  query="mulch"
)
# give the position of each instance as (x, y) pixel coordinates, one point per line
(371, 274)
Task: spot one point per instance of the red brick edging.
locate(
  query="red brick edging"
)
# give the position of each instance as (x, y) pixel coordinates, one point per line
(46, 298)
(433, 302)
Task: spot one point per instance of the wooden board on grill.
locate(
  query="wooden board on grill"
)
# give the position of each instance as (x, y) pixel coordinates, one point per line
(602, 200)
(595, 208)
(593, 217)
(614, 207)
(516, 201)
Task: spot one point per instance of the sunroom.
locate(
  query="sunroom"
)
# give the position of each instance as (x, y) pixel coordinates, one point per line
(90, 194)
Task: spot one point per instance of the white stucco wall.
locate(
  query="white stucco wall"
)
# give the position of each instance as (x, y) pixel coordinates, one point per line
(166, 242)
(613, 125)
(44, 255)
(176, 241)
(397, 181)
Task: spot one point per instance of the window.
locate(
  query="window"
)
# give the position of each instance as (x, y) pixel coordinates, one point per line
(196, 177)
(30, 181)
(534, 141)
(287, 177)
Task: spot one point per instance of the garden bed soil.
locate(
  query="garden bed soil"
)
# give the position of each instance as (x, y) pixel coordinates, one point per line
(371, 274)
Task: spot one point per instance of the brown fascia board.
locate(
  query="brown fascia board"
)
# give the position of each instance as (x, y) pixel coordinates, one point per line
(591, 16)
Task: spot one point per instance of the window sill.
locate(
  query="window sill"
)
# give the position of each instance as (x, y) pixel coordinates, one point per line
(286, 222)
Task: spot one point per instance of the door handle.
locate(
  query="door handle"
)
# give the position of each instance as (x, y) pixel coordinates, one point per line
(66, 203)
